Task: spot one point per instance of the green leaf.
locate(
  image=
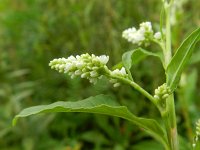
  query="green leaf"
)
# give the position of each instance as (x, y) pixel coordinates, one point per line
(100, 104)
(180, 59)
(117, 66)
(134, 56)
(148, 145)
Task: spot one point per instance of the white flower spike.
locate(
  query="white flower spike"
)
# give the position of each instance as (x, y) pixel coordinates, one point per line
(88, 66)
(142, 36)
(85, 65)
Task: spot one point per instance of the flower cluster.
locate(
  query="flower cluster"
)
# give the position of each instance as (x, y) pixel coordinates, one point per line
(85, 65)
(157, 36)
(119, 73)
(197, 133)
(162, 92)
(141, 36)
(88, 66)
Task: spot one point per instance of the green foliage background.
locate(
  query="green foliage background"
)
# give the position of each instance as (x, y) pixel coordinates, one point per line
(33, 32)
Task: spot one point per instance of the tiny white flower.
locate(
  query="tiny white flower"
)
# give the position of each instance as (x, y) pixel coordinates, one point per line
(85, 75)
(116, 85)
(94, 74)
(157, 35)
(129, 34)
(116, 71)
(71, 58)
(156, 91)
(123, 71)
(78, 72)
(103, 59)
(120, 73)
(194, 145)
(79, 64)
(156, 97)
(146, 27)
(68, 67)
(77, 56)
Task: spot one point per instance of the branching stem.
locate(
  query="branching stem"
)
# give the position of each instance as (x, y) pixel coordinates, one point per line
(137, 87)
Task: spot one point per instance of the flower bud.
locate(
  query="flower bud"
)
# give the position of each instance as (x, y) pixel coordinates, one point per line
(157, 36)
(116, 85)
(162, 92)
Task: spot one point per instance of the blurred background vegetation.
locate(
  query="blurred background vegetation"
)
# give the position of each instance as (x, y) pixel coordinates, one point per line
(33, 32)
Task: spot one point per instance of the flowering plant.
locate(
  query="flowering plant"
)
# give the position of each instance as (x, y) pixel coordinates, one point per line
(93, 67)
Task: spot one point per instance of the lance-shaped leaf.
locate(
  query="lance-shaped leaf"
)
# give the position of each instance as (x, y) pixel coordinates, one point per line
(100, 104)
(134, 56)
(181, 58)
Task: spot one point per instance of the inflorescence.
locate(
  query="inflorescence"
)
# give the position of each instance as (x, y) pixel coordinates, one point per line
(162, 93)
(197, 133)
(141, 36)
(120, 73)
(87, 66)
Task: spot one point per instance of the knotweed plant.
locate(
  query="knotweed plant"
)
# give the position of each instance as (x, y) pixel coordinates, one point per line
(92, 67)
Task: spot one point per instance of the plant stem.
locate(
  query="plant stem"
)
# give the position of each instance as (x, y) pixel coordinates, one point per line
(129, 75)
(137, 87)
(170, 123)
(170, 116)
(167, 51)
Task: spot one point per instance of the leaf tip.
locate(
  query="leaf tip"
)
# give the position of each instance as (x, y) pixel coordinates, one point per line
(14, 121)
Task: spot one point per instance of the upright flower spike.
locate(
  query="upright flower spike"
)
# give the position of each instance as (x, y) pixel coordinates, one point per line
(85, 66)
